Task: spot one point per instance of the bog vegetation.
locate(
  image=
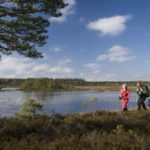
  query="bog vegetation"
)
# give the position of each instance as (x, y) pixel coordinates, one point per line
(93, 131)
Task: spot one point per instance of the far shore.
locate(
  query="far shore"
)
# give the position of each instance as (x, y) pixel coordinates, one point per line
(103, 88)
(78, 88)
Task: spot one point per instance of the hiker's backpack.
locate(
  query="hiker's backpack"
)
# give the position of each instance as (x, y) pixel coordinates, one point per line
(145, 91)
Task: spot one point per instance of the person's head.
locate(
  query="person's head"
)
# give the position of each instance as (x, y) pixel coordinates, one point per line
(124, 86)
(139, 83)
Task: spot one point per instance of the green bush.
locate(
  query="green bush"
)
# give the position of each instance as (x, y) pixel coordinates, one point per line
(30, 108)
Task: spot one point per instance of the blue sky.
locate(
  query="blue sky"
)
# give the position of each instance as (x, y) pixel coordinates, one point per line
(98, 40)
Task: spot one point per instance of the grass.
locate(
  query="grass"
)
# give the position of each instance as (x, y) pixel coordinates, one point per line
(101, 130)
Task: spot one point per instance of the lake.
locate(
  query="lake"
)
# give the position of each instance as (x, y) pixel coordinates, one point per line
(63, 102)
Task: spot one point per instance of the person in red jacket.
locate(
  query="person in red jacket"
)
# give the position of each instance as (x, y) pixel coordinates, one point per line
(124, 96)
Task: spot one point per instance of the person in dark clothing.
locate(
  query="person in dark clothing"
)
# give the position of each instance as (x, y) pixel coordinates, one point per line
(141, 95)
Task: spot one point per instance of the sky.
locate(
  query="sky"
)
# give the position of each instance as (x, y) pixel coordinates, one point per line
(96, 40)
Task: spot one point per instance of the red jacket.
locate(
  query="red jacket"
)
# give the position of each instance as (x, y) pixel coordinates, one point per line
(125, 94)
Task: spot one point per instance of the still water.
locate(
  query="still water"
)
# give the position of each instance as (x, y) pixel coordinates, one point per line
(63, 102)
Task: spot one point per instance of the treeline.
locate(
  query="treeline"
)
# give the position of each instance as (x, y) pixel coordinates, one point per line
(6, 82)
(49, 83)
(41, 84)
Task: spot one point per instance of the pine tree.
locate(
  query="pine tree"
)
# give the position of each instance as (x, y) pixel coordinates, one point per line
(23, 25)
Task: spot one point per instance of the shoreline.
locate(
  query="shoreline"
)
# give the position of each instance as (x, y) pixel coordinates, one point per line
(82, 88)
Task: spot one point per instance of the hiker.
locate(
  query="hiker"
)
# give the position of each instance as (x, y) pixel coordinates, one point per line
(148, 100)
(142, 93)
(124, 97)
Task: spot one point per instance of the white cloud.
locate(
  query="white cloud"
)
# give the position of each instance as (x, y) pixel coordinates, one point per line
(64, 61)
(139, 75)
(24, 67)
(68, 10)
(91, 66)
(98, 72)
(100, 77)
(111, 26)
(102, 57)
(95, 72)
(135, 74)
(56, 48)
(97, 75)
(61, 69)
(117, 53)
